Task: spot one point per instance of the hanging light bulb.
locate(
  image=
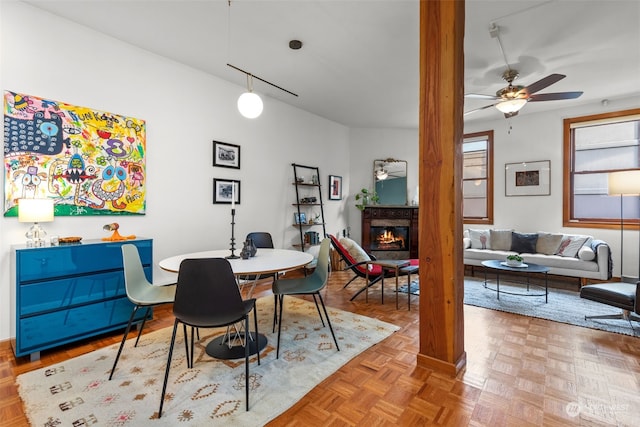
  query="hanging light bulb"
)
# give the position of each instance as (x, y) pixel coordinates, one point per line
(249, 104)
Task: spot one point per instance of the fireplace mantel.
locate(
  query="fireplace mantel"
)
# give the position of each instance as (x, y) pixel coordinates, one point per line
(390, 216)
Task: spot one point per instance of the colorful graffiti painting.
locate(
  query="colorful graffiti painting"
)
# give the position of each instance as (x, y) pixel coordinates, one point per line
(90, 162)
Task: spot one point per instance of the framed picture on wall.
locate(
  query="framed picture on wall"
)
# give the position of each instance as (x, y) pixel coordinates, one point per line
(226, 155)
(528, 178)
(226, 190)
(335, 187)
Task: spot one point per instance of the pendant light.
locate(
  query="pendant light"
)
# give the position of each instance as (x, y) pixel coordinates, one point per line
(250, 104)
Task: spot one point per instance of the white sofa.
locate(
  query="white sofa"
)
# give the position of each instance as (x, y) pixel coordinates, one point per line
(565, 254)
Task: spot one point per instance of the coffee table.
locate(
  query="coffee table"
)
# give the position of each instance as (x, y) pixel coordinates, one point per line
(526, 269)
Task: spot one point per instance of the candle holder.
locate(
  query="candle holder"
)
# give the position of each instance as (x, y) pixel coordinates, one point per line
(233, 237)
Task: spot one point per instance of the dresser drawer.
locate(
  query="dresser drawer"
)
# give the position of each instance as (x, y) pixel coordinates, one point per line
(41, 297)
(43, 331)
(76, 259)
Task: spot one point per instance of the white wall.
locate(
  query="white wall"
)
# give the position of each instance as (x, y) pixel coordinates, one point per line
(539, 136)
(184, 109)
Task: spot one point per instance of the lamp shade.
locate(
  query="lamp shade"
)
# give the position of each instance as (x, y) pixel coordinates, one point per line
(626, 183)
(35, 210)
(511, 105)
(250, 105)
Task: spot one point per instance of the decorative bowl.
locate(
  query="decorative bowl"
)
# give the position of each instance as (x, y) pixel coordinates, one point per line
(513, 263)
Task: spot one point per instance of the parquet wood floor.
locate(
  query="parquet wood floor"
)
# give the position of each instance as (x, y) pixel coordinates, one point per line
(520, 371)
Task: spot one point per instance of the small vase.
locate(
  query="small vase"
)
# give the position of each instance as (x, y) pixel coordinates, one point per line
(251, 247)
(246, 250)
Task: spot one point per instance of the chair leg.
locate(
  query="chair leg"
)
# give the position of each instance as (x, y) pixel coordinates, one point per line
(318, 308)
(144, 319)
(186, 343)
(246, 361)
(166, 372)
(373, 282)
(349, 282)
(275, 313)
(190, 362)
(279, 326)
(255, 325)
(328, 321)
(624, 315)
(124, 339)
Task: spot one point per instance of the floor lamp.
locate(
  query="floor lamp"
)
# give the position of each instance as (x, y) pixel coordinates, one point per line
(624, 183)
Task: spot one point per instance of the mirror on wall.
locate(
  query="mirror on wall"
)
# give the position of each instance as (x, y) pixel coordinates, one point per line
(390, 181)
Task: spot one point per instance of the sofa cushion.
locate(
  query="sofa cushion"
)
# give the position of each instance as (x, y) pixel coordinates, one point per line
(585, 253)
(570, 245)
(466, 241)
(479, 239)
(500, 239)
(548, 243)
(354, 249)
(524, 243)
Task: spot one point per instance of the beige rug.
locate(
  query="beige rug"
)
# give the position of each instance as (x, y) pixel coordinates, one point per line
(77, 392)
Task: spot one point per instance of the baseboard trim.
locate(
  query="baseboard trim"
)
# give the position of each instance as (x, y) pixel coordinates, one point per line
(448, 368)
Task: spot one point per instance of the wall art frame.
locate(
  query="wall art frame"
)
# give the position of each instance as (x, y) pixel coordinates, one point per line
(335, 187)
(528, 178)
(226, 155)
(89, 162)
(222, 190)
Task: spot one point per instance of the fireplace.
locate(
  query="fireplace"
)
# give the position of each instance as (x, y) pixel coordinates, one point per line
(389, 238)
(390, 232)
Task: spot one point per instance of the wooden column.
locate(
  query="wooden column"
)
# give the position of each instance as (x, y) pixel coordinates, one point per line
(441, 132)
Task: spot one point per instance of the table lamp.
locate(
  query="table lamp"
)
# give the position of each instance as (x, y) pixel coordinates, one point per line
(624, 183)
(36, 211)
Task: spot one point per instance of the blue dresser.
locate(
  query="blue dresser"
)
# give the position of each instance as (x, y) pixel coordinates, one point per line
(65, 293)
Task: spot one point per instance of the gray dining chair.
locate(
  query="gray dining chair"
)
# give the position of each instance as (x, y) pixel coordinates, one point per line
(140, 292)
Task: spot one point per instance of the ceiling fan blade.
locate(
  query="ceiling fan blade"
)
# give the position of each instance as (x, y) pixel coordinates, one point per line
(542, 83)
(555, 96)
(479, 109)
(479, 96)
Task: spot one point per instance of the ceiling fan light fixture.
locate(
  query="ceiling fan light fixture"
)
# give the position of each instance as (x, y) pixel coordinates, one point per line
(382, 174)
(509, 106)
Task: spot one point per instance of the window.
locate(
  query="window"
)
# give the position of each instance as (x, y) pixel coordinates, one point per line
(595, 146)
(477, 178)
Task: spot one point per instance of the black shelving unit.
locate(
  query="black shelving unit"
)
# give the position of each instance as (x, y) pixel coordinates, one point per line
(304, 182)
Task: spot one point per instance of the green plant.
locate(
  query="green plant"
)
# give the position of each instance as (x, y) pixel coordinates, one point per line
(366, 197)
(515, 258)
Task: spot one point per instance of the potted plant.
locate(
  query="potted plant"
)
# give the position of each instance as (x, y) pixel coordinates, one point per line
(366, 197)
(514, 260)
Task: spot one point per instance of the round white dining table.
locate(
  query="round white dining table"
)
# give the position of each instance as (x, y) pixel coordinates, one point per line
(265, 261)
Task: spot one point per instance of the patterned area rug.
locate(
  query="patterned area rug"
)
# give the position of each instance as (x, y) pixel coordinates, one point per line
(77, 392)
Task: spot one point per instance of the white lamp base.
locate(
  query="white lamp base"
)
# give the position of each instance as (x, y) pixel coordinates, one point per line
(35, 236)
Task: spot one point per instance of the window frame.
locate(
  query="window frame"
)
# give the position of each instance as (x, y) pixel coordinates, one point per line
(568, 219)
(489, 208)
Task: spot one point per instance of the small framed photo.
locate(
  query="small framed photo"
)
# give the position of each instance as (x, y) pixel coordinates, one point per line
(226, 155)
(299, 218)
(335, 187)
(528, 178)
(225, 190)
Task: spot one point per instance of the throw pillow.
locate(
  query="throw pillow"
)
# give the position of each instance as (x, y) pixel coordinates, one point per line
(570, 245)
(479, 239)
(500, 239)
(548, 243)
(467, 242)
(585, 253)
(354, 250)
(524, 243)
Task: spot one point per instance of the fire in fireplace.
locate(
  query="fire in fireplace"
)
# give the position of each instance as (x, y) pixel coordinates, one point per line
(394, 238)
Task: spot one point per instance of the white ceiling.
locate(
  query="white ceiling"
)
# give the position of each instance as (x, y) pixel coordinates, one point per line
(359, 62)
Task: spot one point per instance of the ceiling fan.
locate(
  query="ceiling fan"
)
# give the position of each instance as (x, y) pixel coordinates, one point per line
(512, 98)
